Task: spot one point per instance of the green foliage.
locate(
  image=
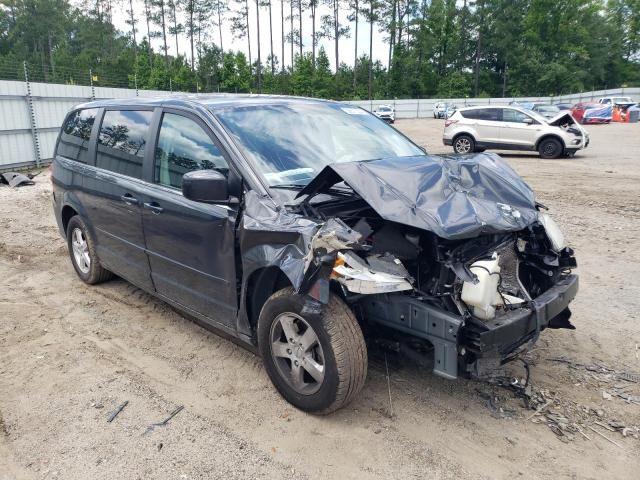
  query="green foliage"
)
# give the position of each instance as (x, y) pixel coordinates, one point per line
(436, 48)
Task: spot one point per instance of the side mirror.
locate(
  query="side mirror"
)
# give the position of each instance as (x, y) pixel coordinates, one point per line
(207, 186)
(528, 121)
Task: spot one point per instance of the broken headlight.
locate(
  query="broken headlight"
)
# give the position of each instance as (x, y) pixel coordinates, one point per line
(553, 231)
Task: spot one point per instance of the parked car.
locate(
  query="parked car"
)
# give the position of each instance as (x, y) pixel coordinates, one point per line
(547, 111)
(443, 110)
(450, 110)
(476, 129)
(564, 106)
(592, 113)
(293, 225)
(386, 113)
(623, 101)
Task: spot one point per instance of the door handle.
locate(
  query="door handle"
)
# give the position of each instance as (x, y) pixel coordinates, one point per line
(129, 199)
(154, 207)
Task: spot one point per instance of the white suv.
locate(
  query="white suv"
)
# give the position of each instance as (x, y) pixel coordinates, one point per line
(624, 101)
(474, 129)
(386, 113)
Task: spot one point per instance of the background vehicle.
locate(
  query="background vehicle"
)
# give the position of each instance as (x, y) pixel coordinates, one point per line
(624, 101)
(547, 111)
(592, 113)
(277, 222)
(564, 106)
(443, 109)
(386, 113)
(512, 128)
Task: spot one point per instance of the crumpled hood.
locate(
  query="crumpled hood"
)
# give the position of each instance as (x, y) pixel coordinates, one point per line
(453, 196)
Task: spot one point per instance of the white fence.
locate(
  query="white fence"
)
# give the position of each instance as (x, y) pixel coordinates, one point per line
(31, 113)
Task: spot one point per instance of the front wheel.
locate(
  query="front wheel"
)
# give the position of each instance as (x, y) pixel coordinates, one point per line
(550, 148)
(464, 144)
(316, 358)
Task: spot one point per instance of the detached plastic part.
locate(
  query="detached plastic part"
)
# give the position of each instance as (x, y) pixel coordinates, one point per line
(14, 179)
(358, 277)
(555, 235)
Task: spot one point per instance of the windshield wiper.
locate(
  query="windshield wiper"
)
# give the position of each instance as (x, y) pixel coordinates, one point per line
(336, 190)
(288, 186)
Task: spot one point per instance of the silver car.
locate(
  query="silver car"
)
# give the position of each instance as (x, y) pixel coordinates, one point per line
(475, 129)
(386, 113)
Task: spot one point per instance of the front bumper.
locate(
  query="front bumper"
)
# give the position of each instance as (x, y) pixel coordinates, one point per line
(503, 335)
(453, 337)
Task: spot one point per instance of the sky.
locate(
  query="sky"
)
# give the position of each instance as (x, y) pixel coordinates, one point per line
(346, 45)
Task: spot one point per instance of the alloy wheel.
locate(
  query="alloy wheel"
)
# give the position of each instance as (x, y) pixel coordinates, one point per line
(297, 353)
(80, 250)
(463, 145)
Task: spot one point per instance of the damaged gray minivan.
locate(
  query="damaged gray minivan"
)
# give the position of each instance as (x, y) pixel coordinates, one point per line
(300, 227)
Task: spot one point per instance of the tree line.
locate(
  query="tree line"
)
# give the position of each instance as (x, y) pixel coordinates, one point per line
(433, 48)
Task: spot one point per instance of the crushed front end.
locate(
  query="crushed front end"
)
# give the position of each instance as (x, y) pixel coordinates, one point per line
(458, 256)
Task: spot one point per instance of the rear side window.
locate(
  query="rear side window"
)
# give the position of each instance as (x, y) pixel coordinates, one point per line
(75, 135)
(491, 114)
(122, 141)
(183, 146)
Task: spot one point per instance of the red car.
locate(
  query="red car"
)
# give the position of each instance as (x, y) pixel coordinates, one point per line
(591, 112)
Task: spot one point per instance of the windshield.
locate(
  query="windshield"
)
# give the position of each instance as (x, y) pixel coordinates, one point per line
(536, 115)
(385, 109)
(291, 142)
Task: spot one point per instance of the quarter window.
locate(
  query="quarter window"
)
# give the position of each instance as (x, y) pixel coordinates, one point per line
(184, 146)
(75, 136)
(122, 141)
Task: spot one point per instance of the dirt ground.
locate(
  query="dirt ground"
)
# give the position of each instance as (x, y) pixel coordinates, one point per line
(70, 354)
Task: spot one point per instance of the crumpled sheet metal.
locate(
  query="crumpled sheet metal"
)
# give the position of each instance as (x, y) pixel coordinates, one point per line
(14, 179)
(272, 236)
(453, 196)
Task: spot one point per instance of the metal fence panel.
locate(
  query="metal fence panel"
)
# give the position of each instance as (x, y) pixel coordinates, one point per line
(50, 103)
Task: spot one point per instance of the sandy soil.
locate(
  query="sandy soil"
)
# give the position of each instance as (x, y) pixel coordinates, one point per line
(70, 354)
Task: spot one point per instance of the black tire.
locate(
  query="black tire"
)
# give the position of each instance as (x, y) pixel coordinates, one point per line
(339, 339)
(464, 144)
(93, 272)
(550, 148)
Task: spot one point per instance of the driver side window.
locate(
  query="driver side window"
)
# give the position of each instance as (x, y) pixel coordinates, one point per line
(515, 116)
(184, 146)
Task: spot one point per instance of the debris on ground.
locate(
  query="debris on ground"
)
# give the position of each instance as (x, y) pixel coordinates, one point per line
(165, 421)
(14, 179)
(566, 419)
(117, 411)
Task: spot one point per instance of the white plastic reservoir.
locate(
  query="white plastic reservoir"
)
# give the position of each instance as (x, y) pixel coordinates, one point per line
(481, 297)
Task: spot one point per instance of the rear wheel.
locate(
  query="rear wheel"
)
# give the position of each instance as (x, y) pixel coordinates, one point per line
(464, 144)
(550, 148)
(317, 359)
(82, 251)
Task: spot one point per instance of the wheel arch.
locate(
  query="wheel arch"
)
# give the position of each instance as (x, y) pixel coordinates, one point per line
(459, 134)
(548, 136)
(260, 285)
(67, 213)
